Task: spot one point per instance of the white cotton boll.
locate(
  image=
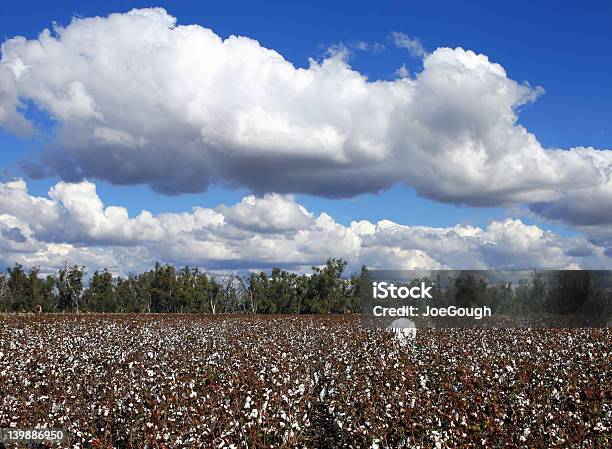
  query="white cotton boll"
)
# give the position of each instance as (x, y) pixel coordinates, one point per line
(423, 381)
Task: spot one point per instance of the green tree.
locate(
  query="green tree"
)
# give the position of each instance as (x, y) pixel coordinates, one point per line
(126, 295)
(328, 291)
(470, 291)
(100, 296)
(41, 292)
(27, 292)
(19, 299)
(501, 298)
(164, 289)
(569, 291)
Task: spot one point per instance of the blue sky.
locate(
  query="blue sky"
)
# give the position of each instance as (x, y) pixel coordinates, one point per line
(559, 46)
(562, 47)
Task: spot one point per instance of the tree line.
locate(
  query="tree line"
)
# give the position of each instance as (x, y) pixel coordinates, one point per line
(166, 289)
(327, 289)
(562, 292)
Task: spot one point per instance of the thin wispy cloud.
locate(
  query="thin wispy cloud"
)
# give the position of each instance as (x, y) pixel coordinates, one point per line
(370, 47)
(412, 44)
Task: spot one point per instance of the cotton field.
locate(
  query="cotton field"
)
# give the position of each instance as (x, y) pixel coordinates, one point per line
(185, 381)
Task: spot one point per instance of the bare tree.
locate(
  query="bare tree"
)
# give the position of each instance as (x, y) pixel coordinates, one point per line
(245, 292)
(70, 285)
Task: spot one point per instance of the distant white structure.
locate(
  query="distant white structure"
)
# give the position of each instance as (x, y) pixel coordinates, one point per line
(404, 329)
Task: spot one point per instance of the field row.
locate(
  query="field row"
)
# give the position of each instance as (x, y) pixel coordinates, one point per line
(292, 381)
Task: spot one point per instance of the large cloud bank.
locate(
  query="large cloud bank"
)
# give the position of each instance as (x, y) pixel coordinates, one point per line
(140, 99)
(72, 224)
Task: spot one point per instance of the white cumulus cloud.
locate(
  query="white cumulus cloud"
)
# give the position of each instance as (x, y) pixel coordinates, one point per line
(72, 224)
(140, 99)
